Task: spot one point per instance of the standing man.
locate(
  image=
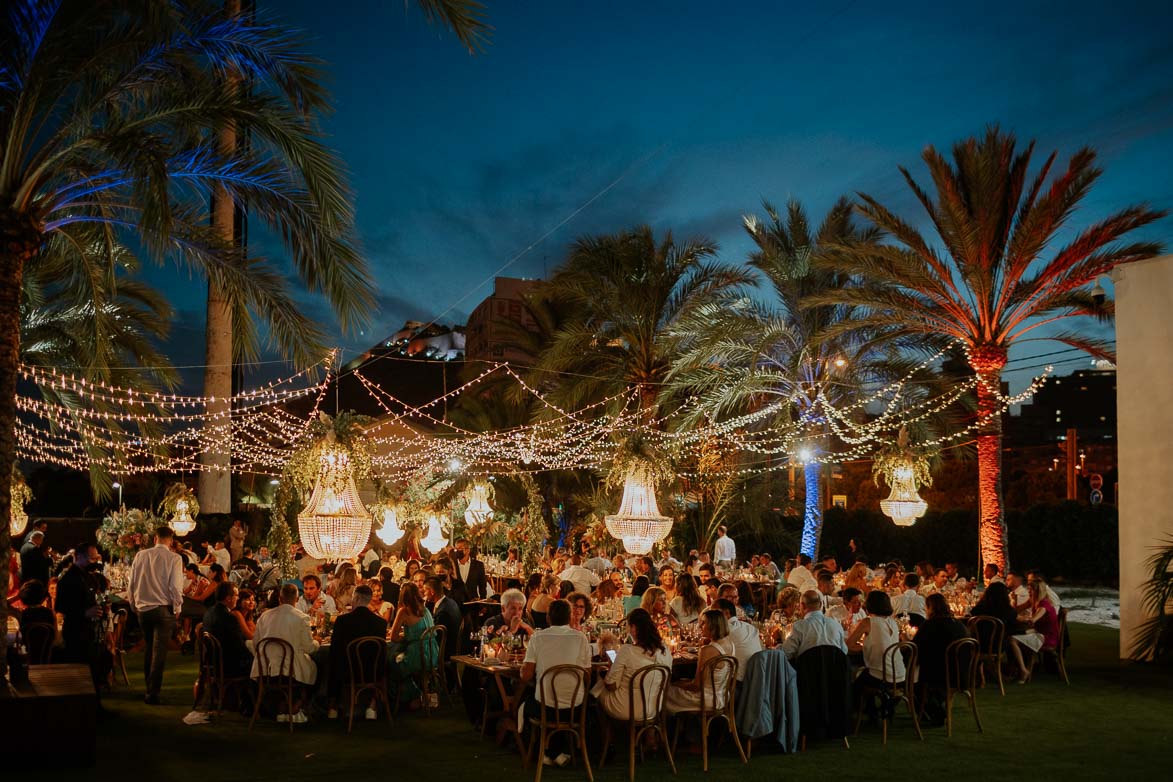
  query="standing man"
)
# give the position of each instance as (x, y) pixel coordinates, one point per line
(468, 578)
(724, 550)
(77, 602)
(156, 595)
(34, 562)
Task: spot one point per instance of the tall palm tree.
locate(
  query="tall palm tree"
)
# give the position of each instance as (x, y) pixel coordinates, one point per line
(627, 290)
(750, 356)
(986, 278)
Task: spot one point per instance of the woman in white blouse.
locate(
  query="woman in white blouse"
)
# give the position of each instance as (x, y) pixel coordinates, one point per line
(873, 636)
(646, 648)
(689, 603)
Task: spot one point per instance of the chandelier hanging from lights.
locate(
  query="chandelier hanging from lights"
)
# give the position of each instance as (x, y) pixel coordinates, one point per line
(904, 469)
(18, 498)
(435, 540)
(390, 532)
(181, 507)
(334, 525)
(479, 510)
(638, 522)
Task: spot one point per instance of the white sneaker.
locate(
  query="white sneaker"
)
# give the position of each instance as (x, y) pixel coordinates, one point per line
(299, 718)
(283, 718)
(332, 714)
(372, 714)
(562, 760)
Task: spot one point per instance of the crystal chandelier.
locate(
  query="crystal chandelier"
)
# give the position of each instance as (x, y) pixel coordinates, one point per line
(478, 505)
(182, 522)
(389, 532)
(903, 505)
(18, 496)
(334, 525)
(435, 539)
(17, 519)
(638, 522)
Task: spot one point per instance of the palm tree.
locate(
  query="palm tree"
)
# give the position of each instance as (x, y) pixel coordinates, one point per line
(987, 280)
(626, 291)
(749, 356)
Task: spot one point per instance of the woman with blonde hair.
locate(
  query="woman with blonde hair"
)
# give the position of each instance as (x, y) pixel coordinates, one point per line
(685, 695)
(668, 583)
(857, 578)
(786, 606)
(655, 602)
(342, 589)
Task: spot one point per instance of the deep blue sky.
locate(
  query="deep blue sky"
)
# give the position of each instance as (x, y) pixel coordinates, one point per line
(700, 110)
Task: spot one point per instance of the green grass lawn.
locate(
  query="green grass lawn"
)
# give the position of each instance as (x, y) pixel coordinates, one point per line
(1114, 722)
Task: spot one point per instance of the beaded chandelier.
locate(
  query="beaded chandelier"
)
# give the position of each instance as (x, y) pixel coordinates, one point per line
(334, 525)
(182, 522)
(478, 505)
(20, 494)
(389, 532)
(435, 539)
(903, 504)
(638, 522)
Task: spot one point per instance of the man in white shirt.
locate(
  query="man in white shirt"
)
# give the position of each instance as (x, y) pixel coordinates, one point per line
(911, 601)
(315, 601)
(288, 624)
(156, 595)
(596, 563)
(800, 576)
(370, 560)
(559, 644)
(1019, 595)
(1052, 596)
(667, 560)
(746, 640)
(992, 574)
(956, 580)
(724, 550)
(850, 611)
(814, 629)
(222, 555)
(584, 580)
(826, 584)
(771, 568)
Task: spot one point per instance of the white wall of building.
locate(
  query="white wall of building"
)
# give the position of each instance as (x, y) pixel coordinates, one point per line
(1144, 405)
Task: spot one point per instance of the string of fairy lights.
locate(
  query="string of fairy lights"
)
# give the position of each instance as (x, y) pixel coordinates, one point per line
(82, 423)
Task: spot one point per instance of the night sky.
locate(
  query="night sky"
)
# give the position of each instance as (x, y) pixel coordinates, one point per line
(598, 116)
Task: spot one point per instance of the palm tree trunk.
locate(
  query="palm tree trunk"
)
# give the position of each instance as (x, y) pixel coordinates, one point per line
(991, 514)
(215, 490)
(812, 520)
(20, 242)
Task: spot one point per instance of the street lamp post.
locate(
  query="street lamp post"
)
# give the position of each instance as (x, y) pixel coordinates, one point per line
(118, 486)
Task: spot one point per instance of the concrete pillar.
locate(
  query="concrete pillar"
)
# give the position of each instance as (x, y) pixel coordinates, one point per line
(1144, 405)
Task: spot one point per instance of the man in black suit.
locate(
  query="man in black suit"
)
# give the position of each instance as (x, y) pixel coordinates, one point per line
(445, 611)
(77, 602)
(34, 562)
(468, 575)
(360, 622)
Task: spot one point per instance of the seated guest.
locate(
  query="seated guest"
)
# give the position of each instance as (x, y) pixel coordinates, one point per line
(390, 586)
(646, 648)
(197, 590)
(745, 600)
(746, 640)
(343, 587)
(446, 612)
(992, 574)
(564, 589)
(558, 644)
(583, 579)
(941, 581)
(246, 613)
(619, 565)
(638, 588)
(596, 563)
(800, 576)
(607, 591)
(858, 577)
(1052, 595)
(787, 605)
(689, 603)
(911, 603)
(315, 602)
(378, 605)
(771, 568)
(729, 592)
(33, 595)
(359, 622)
(1043, 628)
(850, 611)
(814, 629)
(580, 610)
(685, 695)
(936, 633)
(540, 603)
(873, 636)
(655, 602)
(412, 620)
(955, 579)
(511, 619)
(413, 567)
(894, 578)
(221, 622)
(290, 625)
(995, 602)
(827, 589)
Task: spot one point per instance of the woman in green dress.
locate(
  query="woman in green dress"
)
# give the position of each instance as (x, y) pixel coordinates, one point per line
(409, 653)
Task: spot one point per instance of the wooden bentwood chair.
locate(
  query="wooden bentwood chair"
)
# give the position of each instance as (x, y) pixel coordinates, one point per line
(893, 691)
(118, 648)
(212, 681)
(560, 715)
(991, 635)
(38, 639)
(962, 658)
(366, 665)
(280, 652)
(1059, 653)
(645, 704)
(709, 712)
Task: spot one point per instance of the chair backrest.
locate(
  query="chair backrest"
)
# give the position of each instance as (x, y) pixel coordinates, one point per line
(645, 697)
(1061, 649)
(824, 692)
(548, 695)
(990, 633)
(275, 657)
(907, 651)
(38, 638)
(120, 618)
(211, 655)
(961, 664)
(721, 690)
(432, 647)
(366, 660)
